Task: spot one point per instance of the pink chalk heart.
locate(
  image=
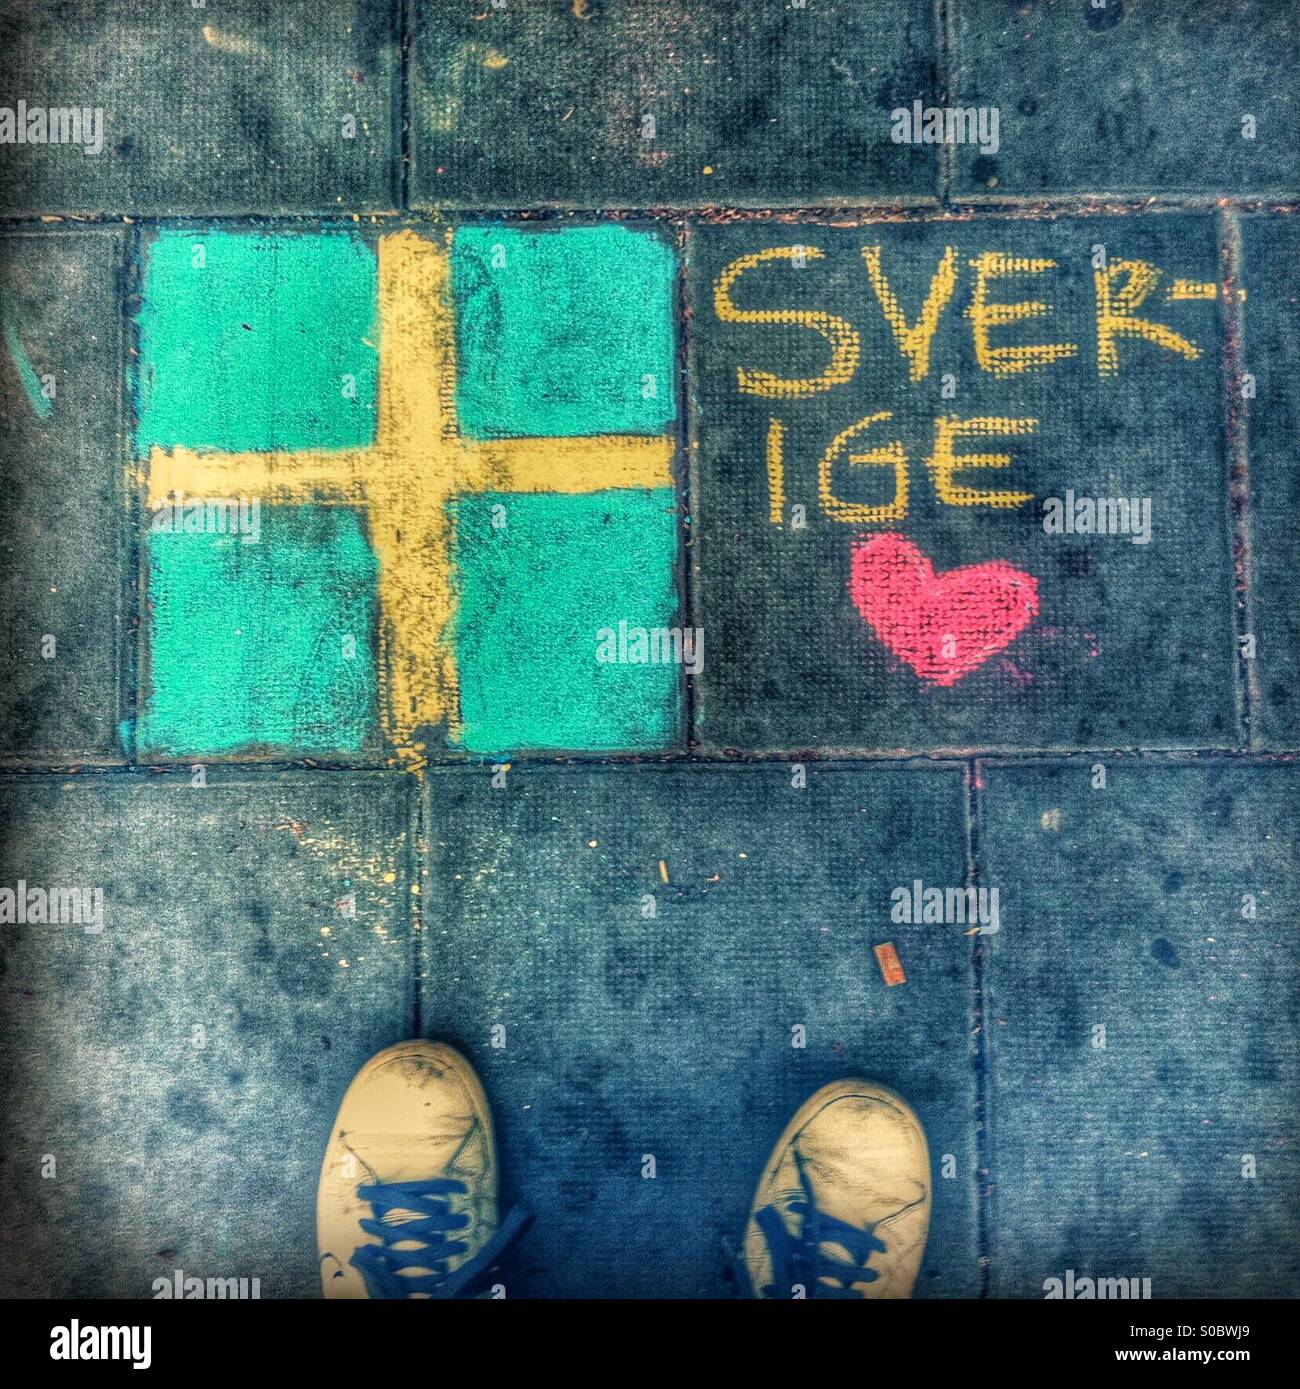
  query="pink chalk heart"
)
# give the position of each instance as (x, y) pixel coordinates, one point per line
(943, 625)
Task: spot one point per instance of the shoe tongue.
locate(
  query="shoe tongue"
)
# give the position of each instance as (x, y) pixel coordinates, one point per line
(402, 1217)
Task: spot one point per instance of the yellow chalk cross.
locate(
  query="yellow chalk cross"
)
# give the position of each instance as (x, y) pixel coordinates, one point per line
(418, 462)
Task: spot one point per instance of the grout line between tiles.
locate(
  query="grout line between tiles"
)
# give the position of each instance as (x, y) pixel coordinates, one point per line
(973, 784)
(1238, 499)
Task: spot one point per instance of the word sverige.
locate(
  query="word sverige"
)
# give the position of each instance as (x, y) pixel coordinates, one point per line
(1122, 289)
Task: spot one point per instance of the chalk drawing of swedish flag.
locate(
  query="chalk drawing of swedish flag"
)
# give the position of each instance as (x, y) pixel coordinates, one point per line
(461, 446)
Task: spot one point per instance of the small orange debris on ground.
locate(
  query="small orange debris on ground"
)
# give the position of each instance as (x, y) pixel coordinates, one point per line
(891, 967)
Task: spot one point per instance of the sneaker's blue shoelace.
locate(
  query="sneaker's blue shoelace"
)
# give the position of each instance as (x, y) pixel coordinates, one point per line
(433, 1229)
(797, 1259)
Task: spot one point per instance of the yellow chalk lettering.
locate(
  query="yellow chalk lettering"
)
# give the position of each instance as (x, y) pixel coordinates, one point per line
(1182, 290)
(840, 335)
(775, 471)
(1116, 314)
(891, 455)
(914, 341)
(944, 462)
(1008, 361)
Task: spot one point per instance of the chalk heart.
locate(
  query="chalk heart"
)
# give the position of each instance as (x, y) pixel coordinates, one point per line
(942, 625)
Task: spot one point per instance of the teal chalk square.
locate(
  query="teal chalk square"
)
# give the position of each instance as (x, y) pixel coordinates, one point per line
(534, 593)
(268, 645)
(563, 332)
(252, 341)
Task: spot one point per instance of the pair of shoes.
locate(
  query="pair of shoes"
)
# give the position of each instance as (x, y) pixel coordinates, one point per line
(407, 1202)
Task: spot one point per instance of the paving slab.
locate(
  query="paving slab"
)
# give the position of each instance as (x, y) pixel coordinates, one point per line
(247, 106)
(622, 1037)
(1143, 1051)
(901, 432)
(169, 1081)
(409, 491)
(1271, 358)
(652, 103)
(62, 516)
(1122, 96)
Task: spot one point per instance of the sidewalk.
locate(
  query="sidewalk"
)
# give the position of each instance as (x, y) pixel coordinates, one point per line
(650, 587)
